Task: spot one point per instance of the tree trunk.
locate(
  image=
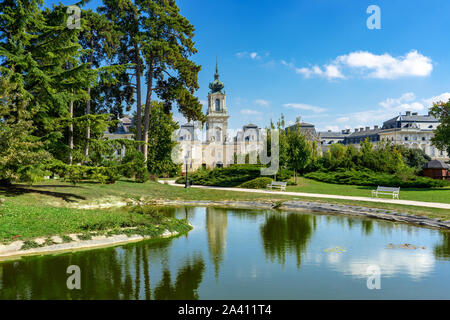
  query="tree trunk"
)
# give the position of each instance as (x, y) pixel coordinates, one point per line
(147, 109)
(88, 105)
(295, 175)
(71, 132)
(138, 95)
(88, 128)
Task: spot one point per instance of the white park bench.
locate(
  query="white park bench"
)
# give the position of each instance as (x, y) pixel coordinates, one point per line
(277, 184)
(386, 190)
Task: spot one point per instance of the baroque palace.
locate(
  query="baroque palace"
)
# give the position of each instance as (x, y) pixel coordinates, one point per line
(213, 146)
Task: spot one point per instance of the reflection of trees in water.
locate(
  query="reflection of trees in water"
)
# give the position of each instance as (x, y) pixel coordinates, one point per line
(367, 226)
(287, 234)
(119, 273)
(188, 280)
(216, 227)
(442, 251)
(245, 214)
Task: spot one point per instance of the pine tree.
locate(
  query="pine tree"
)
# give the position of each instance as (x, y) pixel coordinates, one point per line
(100, 40)
(21, 154)
(167, 44)
(125, 16)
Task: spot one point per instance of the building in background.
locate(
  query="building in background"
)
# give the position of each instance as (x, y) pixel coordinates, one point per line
(413, 131)
(410, 130)
(361, 134)
(328, 138)
(436, 169)
(123, 131)
(213, 147)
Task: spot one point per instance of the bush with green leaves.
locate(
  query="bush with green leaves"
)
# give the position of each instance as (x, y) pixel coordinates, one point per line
(77, 173)
(133, 165)
(258, 183)
(366, 177)
(231, 176)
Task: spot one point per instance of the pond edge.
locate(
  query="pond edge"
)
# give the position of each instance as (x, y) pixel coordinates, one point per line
(12, 251)
(317, 207)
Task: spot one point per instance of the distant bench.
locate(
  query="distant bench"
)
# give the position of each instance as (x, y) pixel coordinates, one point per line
(386, 190)
(277, 184)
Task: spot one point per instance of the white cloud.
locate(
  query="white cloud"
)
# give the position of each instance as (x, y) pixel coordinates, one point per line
(383, 66)
(329, 71)
(402, 103)
(251, 55)
(342, 119)
(387, 109)
(387, 67)
(332, 128)
(204, 103)
(302, 106)
(444, 97)
(262, 102)
(390, 102)
(250, 112)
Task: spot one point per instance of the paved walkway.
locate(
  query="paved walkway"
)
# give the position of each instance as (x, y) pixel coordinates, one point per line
(328, 196)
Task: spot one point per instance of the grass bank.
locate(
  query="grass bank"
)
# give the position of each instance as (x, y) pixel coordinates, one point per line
(53, 207)
(416, 194)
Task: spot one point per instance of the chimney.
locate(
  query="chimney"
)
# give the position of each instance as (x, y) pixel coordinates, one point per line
(415, 113)
(356, 129)
(375, 127)
(361, 129)
(408, 113)
(367, 128)
(347, 131)
(343, 131)
(329, 130)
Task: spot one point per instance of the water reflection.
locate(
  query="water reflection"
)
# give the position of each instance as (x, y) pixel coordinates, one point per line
(285, 234)
(442, 250)
(188, 280)
(105, 274)
(250, 255)
(216, 227)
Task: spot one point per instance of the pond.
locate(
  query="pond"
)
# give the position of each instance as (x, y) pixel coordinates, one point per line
(247, 254)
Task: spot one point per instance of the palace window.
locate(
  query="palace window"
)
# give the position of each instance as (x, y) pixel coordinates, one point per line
(217, 105)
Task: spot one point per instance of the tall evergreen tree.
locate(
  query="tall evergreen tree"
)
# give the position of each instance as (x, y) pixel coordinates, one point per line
(124, 14)
(167, 45)
(20, 152)
(107, 94)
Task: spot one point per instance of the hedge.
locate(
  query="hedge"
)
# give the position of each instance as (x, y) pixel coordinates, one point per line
(370, 178)
(231, 176)
(258, 183)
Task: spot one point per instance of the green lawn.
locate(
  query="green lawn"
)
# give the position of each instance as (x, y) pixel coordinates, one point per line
(417, 194)
(45, 209)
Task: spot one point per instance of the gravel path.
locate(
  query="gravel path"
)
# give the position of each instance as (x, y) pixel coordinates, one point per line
(328, 196)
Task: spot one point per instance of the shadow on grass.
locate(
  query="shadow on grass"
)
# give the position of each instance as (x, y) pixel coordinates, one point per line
(17, 190)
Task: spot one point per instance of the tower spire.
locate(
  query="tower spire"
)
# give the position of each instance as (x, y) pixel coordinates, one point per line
(216, 85)
(216, 76)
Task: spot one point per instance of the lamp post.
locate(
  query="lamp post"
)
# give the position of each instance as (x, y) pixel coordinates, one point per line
(187, 160)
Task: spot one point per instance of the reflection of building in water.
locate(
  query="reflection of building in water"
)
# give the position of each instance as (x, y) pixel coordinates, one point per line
(216, 226)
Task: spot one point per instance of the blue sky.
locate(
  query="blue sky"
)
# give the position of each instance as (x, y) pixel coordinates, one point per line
(318, 59)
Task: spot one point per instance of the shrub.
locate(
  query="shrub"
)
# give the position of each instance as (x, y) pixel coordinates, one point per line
(369, 178)
(231, 176)
(258, 183)
(284, 174)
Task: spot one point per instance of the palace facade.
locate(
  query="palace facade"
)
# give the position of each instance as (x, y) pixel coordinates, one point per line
(213, 146)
